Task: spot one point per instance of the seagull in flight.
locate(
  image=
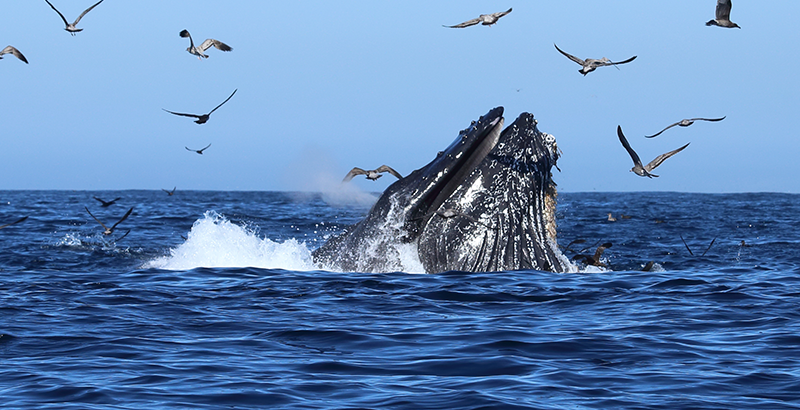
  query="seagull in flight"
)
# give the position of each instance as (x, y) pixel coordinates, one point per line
(638, 168)
(199, 151)
(14, 223)
(484, 19)
(13, 51)
(199, 51)
(591, 64)
(71, 27)
(723, 15)
(106, 204)
(109, 231)
(372, 174)
(684, 123)
(170, 193)
(202, 119)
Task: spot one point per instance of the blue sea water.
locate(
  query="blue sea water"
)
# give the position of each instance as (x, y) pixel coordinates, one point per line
(212, 301)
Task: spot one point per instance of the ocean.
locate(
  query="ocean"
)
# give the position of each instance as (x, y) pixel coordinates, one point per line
(212, 301)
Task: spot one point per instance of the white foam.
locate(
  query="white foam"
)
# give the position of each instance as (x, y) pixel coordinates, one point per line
(214, 241)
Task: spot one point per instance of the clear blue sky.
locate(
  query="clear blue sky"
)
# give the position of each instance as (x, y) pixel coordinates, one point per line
(325, 86)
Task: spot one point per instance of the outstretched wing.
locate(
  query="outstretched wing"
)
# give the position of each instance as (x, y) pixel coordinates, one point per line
(182, 114)
(386, 168)
(570, 56)
(466, 23)
(14, 52)
(204, 148)
(216, 43)
(661, 158)
(84, 13)
(631, 152)
(623, 62)
(123, 218)
(500, 14)
(67, 23)
(723, 10)
(226, 100)
(659, 133)
(95, 218)
(185, 33)
(353, 172)
(15, 222)
(708, 119)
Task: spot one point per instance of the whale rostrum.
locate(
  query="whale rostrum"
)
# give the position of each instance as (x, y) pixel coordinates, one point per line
(497, 186)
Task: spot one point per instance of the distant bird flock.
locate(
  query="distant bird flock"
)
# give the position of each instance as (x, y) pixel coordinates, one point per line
(721, 19)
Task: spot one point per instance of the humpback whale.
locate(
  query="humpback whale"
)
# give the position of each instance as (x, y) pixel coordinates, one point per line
(499, 180)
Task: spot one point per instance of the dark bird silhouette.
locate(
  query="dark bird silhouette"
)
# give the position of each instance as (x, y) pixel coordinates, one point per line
(14, 223)
(106, 204)
(692, 253)
(107, 230)
(591, 64)
(202, 119)
(484, 19)
(71, 27)
(199, 151)
(373, 174)
(170, 193)
(13, 51)
(595, 259)
(638, 168)
(199, 51)
(575, 242)
(684, 123)
(723, 15)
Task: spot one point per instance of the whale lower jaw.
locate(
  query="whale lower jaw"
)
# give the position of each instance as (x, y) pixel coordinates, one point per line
(501, 202)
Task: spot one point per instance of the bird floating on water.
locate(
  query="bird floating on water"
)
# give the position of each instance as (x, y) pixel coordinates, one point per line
(13, 51)
(684, 123)
(109, 231)
(199, 151)
(14, 223)
(372, 174)
(723, 15)
(106, 204)
(484, 19)
(199, 51)
(202, 119)
(591, 64)
(71, 27)
(638, 168)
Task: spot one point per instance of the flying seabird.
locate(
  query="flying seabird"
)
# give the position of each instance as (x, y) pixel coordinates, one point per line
(15, 52)
(199, 151)
(594, 260)
(170, 193)
(638, 168)
(684, 123)
(198, 51)
(109, 231)
(723, 15)
(373, 174)
(14, 223)
(201, 119)
(71, 27)
(484, 19)
(106, 204)
(591, 64)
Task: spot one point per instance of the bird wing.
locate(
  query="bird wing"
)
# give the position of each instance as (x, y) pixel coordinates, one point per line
(353, 172)
(661, 158)
(14, 52)
(467, 23)
(15, 222)
(65, 20)
(204, 148)
(622, 62)
(659, 133)
(500, 14)
(708, 119)
(386, 168)
(216, 43)
(631, 152)
(182, 114)
(123, 218)
(185, 33)
(570, 56)
(95, 218)
(226, 100)
(723, 10)
(84, 13)
(101, 201)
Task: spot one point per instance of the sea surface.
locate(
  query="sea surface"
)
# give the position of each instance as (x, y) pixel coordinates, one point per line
(212, 301)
